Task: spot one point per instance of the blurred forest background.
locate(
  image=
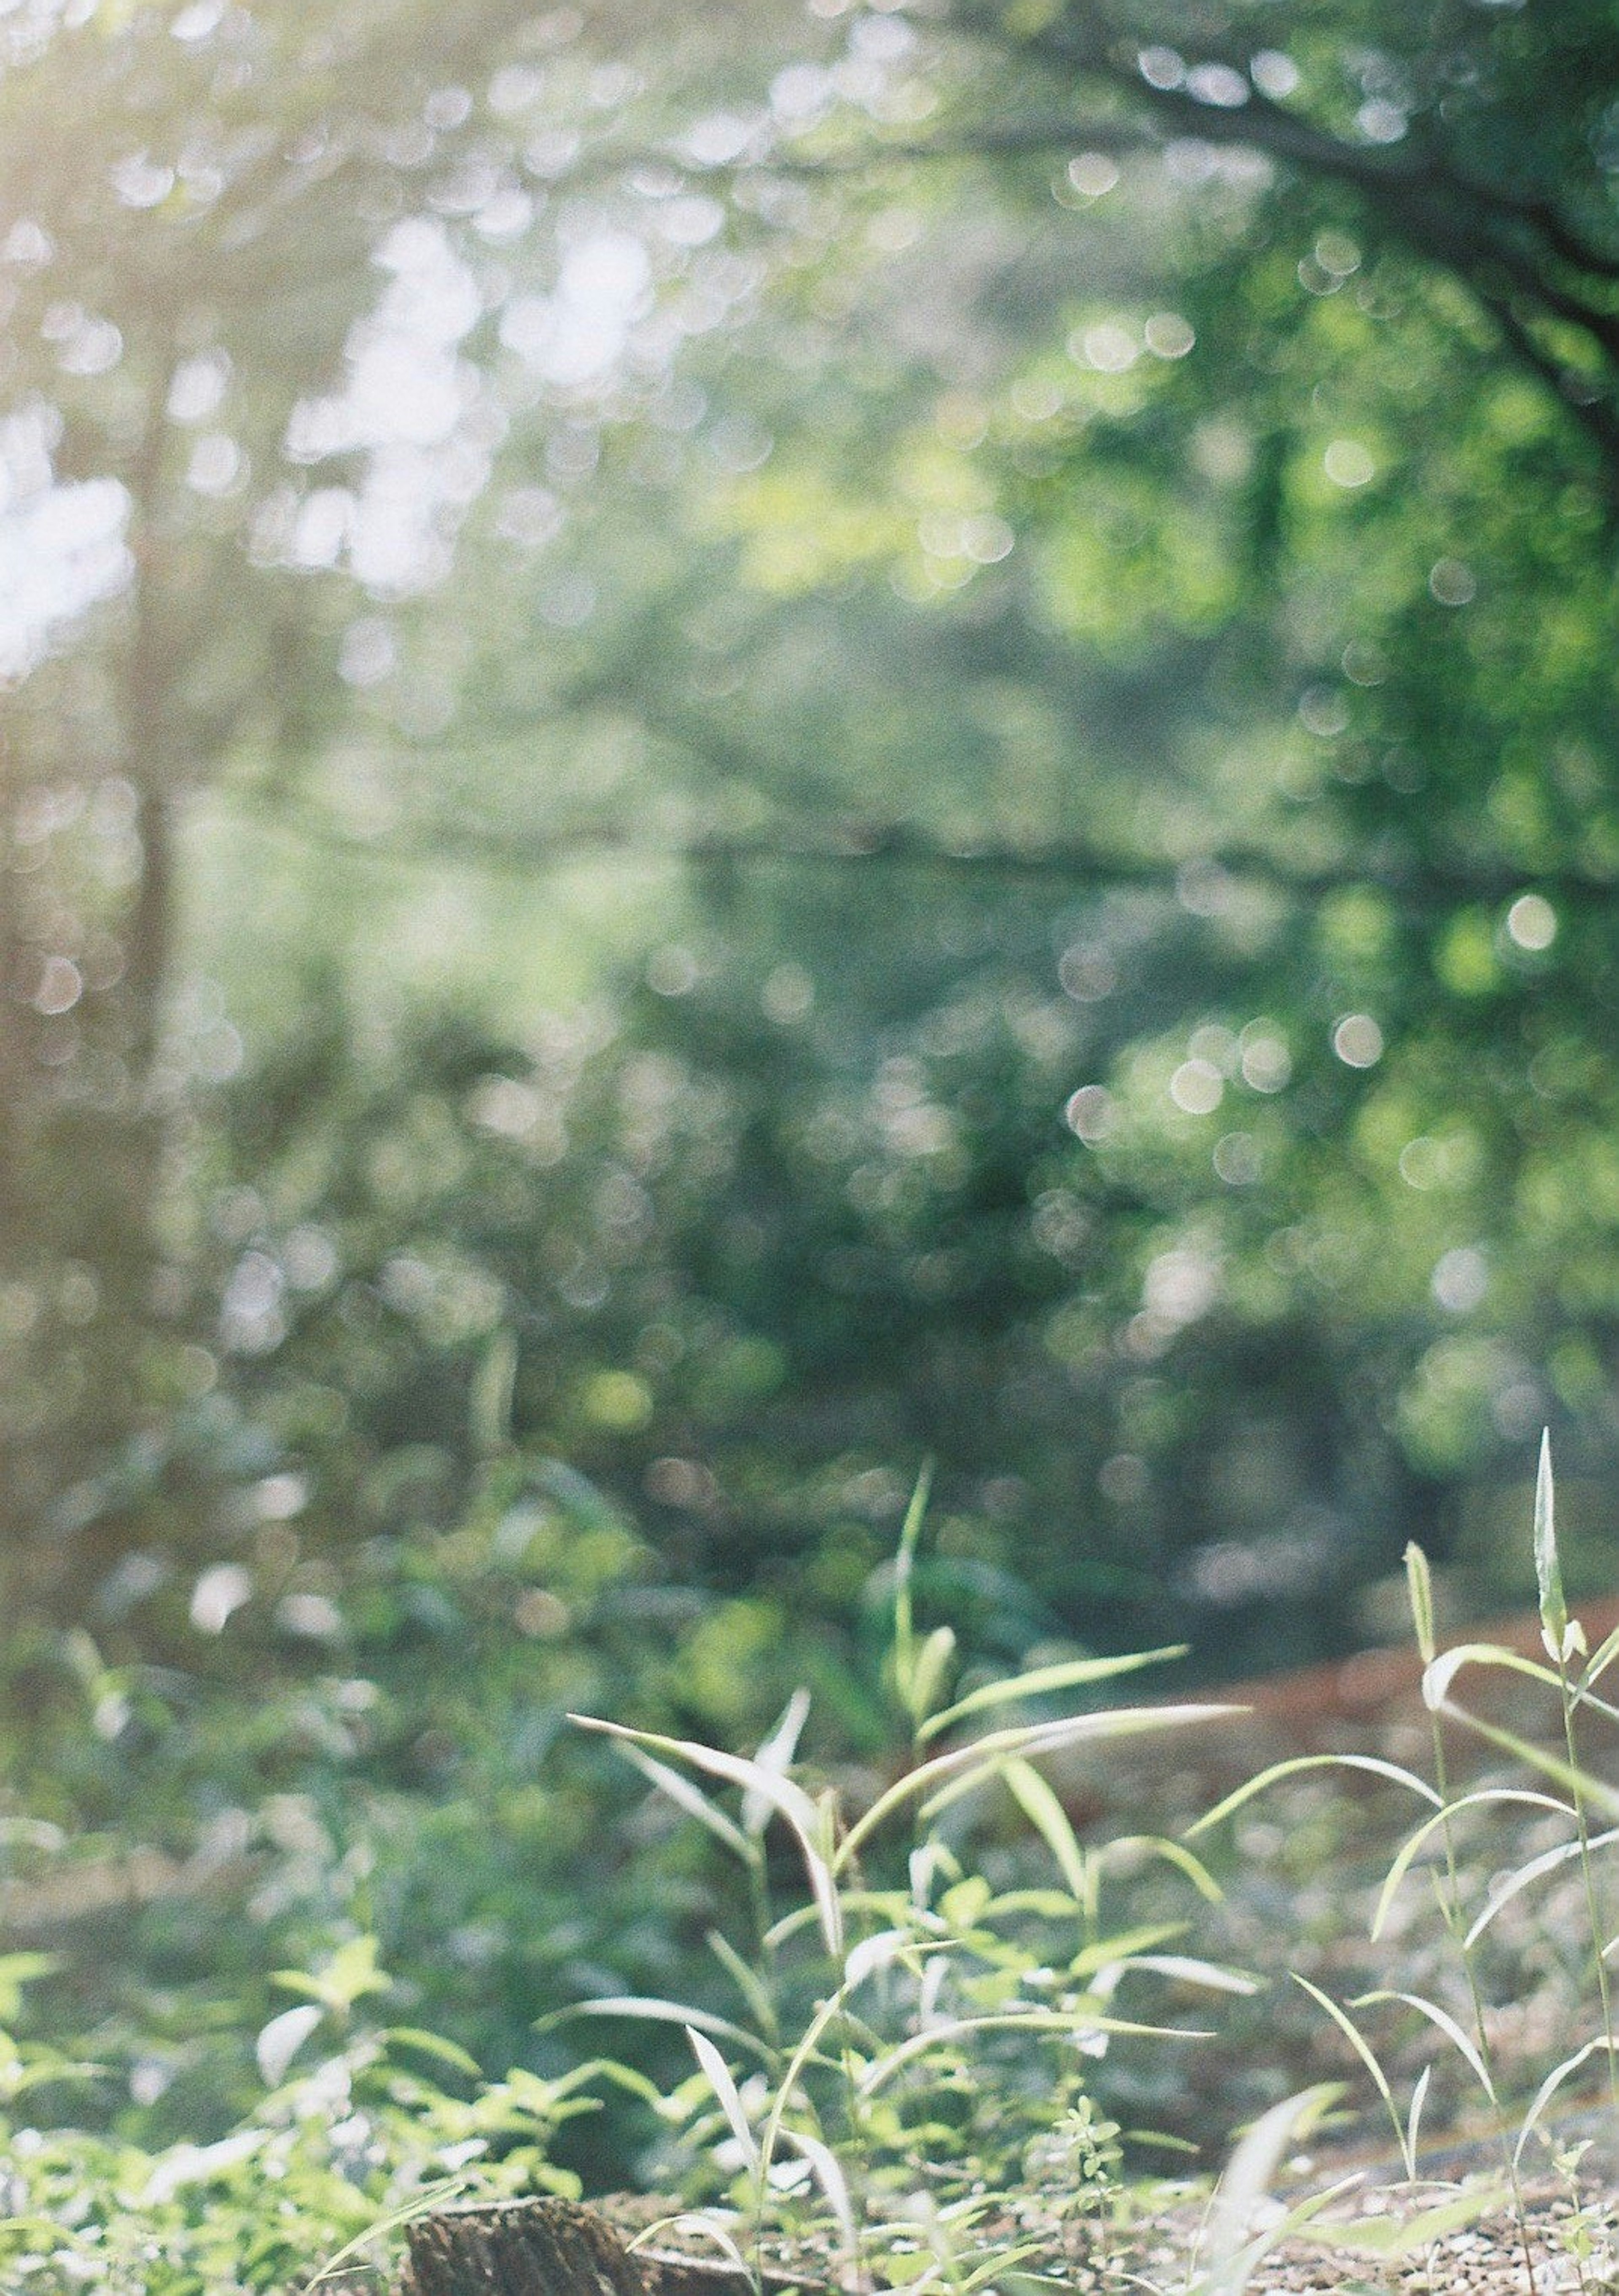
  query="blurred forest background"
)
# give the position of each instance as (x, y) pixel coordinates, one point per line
(745, 743)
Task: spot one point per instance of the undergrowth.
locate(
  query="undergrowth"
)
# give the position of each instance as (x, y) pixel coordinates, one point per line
(904, 2065)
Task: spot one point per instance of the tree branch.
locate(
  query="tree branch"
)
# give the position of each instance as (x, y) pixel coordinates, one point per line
(851, 842)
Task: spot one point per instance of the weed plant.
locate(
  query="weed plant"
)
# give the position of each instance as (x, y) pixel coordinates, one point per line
(908, 2041)
(1545, 1775)
(907, 2085)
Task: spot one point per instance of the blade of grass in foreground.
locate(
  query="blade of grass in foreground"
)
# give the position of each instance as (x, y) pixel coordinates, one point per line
(1233, 2256)
(1565, 1638)
(1295, 1764)
(772, 1787)
(1069, 1674)
(985, 1754)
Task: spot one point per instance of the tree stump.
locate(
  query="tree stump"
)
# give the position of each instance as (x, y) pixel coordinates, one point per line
(555, 2248)
(521, 2248)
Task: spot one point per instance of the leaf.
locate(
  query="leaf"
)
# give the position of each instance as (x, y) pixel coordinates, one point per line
(749, 1983)
(1548, 2088)
(904, 1565)
(1072, 2023)
(878, 1952)
(1247, 2182)
(688, 2221)
(1580, 1785)
(808, 2043)
(693, 1799)
(827, 2173)
(1606, 1652)
(718, 2075)
(1442, 2018)
(348, 1977)
(19, 1970)
(789, 1800)
(1173, 1853)
(1357, 2041)
(1125, 1947)
(1412, 1846)
(1548, 1862)
(1547, 1571)
(1187, 1969)
(649, 2010)
(1296, 1763)
(279, 2041)
(1047, 1816)
(1392, 2236)
(430, 2044)
(1067, 1674)
(933, 1659)
(995, 2263)
(422, 2204)
(776, 1755)
(1419, 1586)
(1438, 1677)
(985, 1756)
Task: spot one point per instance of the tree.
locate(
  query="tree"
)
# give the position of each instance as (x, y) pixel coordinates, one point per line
(901, 536)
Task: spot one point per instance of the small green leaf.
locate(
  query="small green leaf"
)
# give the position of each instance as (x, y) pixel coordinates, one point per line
(1373, 1763)
(719, 2079)
(1068, 1674)
(1393, 2236)
(1419, 1584)
(1548, 1573)
(1038, 1803)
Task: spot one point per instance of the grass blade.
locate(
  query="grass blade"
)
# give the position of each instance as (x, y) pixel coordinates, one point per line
(1465, 2046)
(1187, 1969)
(1390, 2238)
(986, 1755)
(788, 1801)
(1185, 1861)
(1364, 2050)
(1546, 1863)
(718, 2073)
(688, 2221)
(1041, 2020)
(904, 1566)
(827, 2173)
(647, 2009)
(1547, 1570)
(1548, 2088)
(776, 1755)
(1579, 1784)
(749, 1983)
(1047, 1816)
(1293, 1765)
(1441, 1672)
(1412, 1848)
(1069, 1674)
(1606, 1652)
(1232, 2255)
(693, 1799)
(419, 2204)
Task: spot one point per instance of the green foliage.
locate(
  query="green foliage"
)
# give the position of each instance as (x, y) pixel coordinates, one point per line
(914, 2038)
(901, 2022)
(331, 2159)
(1113, 614)
(1465, 2024)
